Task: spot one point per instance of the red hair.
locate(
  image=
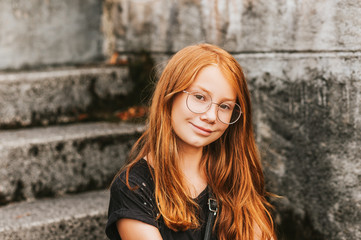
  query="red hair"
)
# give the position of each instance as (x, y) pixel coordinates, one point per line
(231, 163)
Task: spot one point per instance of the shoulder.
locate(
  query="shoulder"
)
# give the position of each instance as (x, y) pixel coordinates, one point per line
(139, 176)
(135, 201)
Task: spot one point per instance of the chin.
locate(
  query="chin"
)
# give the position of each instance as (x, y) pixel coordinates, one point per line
(201, 144)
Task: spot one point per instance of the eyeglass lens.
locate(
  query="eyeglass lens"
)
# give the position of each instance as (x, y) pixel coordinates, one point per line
(228, 112)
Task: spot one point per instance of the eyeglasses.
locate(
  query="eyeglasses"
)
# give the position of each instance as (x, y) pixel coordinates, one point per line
(227, 112)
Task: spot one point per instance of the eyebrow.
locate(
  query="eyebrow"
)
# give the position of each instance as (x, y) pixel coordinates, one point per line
(224, 99)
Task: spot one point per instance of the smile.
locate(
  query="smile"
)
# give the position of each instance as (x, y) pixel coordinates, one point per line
(201, 130)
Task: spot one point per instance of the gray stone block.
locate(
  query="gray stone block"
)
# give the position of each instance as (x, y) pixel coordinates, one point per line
(308, 125)
(39, 32)
(81, 216)
(58, 95)
(51, 161)
(238, 26)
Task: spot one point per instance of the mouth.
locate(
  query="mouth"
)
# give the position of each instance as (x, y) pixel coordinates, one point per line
(201, 130)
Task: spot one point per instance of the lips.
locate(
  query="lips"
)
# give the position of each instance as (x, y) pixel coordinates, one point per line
(202, 130)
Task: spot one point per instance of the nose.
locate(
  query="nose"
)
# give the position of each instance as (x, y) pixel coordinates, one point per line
(211, 114)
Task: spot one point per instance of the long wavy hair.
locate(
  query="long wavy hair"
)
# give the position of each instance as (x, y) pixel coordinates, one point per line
(231, 163)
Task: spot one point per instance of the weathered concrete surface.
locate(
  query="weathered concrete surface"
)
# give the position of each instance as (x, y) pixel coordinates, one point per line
(308, 118)
(43, 32)
(81, 216)
(238, 26)
(51, 161)
(59, 95)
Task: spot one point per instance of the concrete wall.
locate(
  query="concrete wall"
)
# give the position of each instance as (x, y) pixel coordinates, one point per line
(308, 127)
(238, 26)
(302, 61)
(45, 32)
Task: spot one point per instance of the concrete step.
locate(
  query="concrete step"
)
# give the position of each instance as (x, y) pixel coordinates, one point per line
(59, 95)
(80, 216)
(51, 161)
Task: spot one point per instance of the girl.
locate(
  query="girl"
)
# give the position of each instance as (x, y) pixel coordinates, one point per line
(197, 163)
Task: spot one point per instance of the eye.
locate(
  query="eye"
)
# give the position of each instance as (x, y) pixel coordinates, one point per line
(199, 97)
(225, 106)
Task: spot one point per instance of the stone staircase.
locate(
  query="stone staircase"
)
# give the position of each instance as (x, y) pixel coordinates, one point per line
(55, 166)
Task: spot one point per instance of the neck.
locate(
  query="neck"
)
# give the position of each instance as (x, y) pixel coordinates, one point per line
(190, 165)
(190, 159)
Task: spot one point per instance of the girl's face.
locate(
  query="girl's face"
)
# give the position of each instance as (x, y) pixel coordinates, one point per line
(196, 130)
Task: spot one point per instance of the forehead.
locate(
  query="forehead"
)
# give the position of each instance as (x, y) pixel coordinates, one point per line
(211, 80)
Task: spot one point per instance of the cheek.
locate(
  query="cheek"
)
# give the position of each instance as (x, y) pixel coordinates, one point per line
(179, 109)
(219, 133)
(178, 114)
(222, 128)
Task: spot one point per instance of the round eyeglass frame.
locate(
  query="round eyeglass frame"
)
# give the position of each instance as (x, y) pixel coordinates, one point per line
(211, 102)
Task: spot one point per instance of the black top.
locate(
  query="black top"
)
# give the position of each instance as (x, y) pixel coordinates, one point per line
(140, 205)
